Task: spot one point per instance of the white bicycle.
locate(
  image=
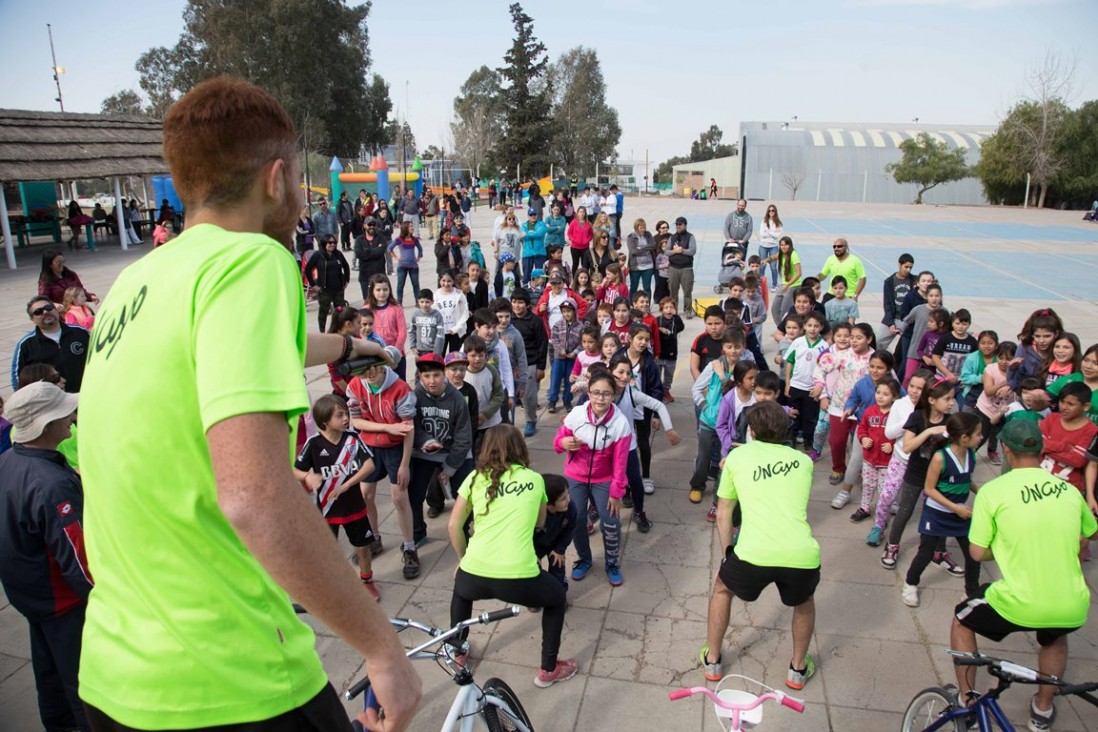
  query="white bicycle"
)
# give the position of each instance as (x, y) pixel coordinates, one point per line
(495, 703)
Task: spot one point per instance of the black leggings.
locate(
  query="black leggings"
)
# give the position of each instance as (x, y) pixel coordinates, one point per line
(644, 443)
(991, 432)
(928, 545)
(909, 497)
(541, 591)
(636, 485)
(808, 412)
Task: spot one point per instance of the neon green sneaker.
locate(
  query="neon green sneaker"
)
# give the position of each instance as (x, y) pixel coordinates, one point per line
(797, 679)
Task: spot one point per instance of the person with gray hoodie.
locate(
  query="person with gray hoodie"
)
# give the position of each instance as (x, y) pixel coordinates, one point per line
(443, 438)
(738, 226)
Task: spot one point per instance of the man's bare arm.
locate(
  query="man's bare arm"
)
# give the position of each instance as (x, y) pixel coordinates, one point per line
(275, 520)
(325, 348)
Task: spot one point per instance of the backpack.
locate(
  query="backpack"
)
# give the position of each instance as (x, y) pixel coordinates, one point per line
(476, 255)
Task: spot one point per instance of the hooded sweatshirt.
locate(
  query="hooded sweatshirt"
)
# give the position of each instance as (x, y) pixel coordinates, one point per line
(392, 403)
(427, 331)
(604, 453)
(444, 418)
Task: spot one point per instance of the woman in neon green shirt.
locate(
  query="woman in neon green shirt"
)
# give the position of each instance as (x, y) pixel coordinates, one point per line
(507, 502)
(789, 274)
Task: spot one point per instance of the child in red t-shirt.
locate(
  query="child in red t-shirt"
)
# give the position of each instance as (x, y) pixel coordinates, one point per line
(876, 447)
(331, 465)
(1068, 434)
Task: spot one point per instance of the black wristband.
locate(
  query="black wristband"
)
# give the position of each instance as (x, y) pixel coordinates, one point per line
(348, 348)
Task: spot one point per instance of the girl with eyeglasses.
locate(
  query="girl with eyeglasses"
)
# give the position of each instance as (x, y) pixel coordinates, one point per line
(595, 439)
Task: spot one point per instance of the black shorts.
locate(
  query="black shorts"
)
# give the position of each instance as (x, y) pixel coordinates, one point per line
(981, 618)
(358, 532)
(747, 581)
(386, 464)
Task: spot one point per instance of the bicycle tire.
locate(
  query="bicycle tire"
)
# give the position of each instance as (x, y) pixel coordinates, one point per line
(494, 717)
(927, 706)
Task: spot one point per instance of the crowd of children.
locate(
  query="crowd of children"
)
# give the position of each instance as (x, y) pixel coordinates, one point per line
(896, 426)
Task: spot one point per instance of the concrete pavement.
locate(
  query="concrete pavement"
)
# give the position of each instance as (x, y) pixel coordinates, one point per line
(636, 642)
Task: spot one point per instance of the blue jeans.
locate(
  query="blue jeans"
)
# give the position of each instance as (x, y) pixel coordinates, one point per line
(644, 277)
(582, 494)
(529, 264)
(765, 252)
(403, 273)
(558, 380)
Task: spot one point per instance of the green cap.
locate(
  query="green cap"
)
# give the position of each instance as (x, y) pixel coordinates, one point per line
(1022, 436)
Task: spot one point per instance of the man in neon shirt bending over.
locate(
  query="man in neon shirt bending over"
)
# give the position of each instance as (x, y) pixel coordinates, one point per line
(196, 528)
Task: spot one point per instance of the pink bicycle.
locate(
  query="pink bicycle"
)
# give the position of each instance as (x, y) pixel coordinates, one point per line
(741, 708)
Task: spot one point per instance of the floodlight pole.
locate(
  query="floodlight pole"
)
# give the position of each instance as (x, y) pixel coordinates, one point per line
(56, 75)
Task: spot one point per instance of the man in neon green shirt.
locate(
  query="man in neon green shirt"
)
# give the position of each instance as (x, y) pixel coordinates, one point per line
(1030, 522)
(842, 262)
(771, 483)
(196, 528)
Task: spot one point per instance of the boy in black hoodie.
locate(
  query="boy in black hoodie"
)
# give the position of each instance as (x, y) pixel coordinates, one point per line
(536, 340)
(443, 438)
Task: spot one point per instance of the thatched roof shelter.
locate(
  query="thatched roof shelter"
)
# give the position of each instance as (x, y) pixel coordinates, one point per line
(69, 146)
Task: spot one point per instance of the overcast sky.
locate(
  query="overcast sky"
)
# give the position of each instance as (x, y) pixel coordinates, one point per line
(669, 75)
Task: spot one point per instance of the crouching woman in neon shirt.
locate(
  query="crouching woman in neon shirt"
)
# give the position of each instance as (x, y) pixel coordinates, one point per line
(507, 501)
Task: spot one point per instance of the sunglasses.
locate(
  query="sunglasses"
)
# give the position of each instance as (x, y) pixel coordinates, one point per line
(47, 308)
(839, 246)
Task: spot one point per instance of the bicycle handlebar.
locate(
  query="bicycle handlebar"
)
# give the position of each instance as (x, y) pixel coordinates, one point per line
(797, 705)
(437, 636)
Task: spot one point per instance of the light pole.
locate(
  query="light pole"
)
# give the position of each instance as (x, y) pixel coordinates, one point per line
(57, 70)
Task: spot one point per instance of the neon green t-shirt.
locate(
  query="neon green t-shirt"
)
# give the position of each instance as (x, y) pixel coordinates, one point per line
(1055, 387)
(850, 268)
(794, 260)
(1032, 522)
(68, 448)
(771, 483)
(502, 546)
(184, 627)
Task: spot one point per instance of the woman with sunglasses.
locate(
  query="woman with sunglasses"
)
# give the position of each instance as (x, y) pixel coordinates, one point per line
(509, 240)
(770, 233)
(600, 255)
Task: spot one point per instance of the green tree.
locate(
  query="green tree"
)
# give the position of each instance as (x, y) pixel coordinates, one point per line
(928, 163)
(1078, 181)
(126, 101)
(585, 128)
(478, 117)
(1002, 167)
(433, 152)
(375, 115)
(708, 146)
(524, 138)
(312, 56)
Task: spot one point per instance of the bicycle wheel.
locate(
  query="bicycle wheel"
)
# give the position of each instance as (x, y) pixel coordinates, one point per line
(927, 707)
(497, 719)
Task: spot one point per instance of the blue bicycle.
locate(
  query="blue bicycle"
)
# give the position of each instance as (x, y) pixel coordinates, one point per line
(938, 708)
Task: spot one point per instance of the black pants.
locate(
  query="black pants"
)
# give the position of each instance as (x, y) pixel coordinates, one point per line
(909, 497)
(928, 545)
(542, 591)
(636, 485)
(578, 259)
(644, 444)
(756, 351)
(423, 474)
(808, 412)
(323, 713)
(55, 658)
(990, 432)
(327, 302)
(345, 236)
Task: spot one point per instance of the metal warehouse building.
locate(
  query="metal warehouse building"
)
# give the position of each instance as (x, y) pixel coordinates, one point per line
(846, 162)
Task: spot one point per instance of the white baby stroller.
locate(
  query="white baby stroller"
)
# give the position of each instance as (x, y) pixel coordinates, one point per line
(731, 266)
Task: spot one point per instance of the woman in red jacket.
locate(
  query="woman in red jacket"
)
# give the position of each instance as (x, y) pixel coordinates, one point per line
(56, 278)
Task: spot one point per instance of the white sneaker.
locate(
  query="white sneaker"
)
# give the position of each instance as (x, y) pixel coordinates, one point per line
(910, 595)
(841, 499)
(894, 508)
(649, 486)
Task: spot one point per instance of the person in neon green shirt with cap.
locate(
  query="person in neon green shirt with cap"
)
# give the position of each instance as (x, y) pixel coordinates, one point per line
(1030, 522)
(196, 529)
